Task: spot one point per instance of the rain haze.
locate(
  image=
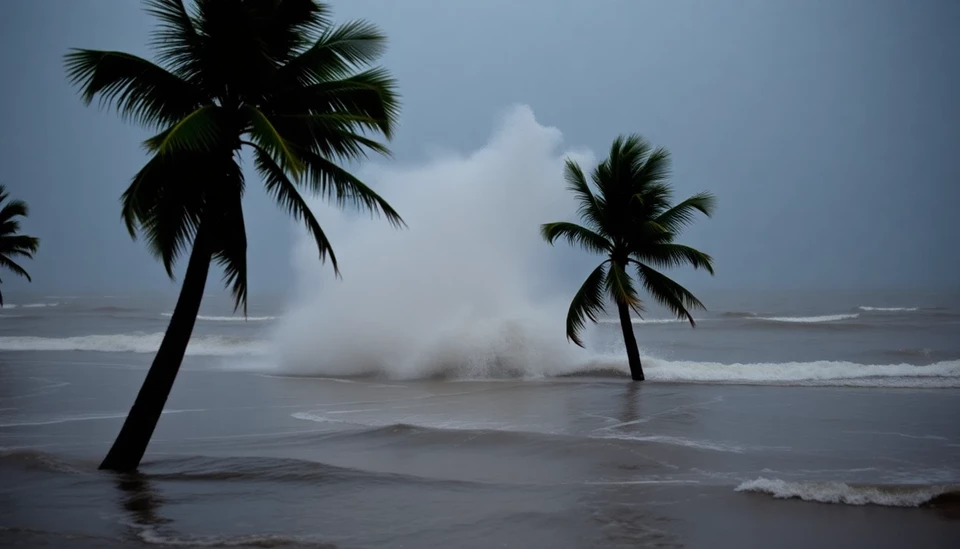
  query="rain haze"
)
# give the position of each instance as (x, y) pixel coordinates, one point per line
(827, 130)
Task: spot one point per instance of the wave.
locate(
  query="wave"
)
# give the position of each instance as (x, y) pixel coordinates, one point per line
(887, 309)
(30, 305)
(208, 345)
(85, 417)
(642, 320)
(850, 494)
(231, 318)
(818, 373)
(428, 429)
(278, 469)
(809, 319)
(502, 364)
(943, 374)
(680, 441)
(35, 459)
(737, 315)
(151, 535)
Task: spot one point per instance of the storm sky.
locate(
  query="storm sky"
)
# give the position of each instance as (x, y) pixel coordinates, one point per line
(829, 131)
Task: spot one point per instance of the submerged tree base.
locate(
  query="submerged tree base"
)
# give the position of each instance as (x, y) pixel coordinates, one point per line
(131, 443)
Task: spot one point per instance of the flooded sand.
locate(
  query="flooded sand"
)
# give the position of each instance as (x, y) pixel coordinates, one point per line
(254, 460)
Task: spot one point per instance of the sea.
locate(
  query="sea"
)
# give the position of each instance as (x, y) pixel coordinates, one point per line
(783, 419)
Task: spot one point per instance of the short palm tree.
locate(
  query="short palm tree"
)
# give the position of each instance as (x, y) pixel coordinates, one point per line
(631, 221)
(273, 77)
(12, 243)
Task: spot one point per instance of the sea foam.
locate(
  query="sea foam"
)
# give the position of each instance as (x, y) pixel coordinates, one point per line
(838, 492)
(507, 352)
(809, 319)
(209, 318)
(30, 305)
(822, 372)
(208, 345)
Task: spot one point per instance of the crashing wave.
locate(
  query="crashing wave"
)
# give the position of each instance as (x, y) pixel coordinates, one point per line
(839, 492)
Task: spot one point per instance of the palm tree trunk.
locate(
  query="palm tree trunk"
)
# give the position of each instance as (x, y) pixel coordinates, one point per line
(131, 443)
(630, 342)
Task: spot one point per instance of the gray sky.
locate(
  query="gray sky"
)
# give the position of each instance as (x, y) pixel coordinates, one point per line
(828, 129)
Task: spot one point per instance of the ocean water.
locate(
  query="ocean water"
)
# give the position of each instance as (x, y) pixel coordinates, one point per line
(781, 420)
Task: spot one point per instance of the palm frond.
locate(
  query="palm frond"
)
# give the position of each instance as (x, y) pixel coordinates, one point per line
(285, 28)
(654, 168)
(337, 52)
(576, 235)
(332, 136)
(620, 287)
(668, 293)
(590, 208)
(9, 227)
(165, 200)
(626, 153)
(683, 214)
(139, 89)
(11, 266)
(14, 208)
(286, 195)
(371, 94)
(670, 255)
(587, 304)
(203, 130)
(341, 187)
(324, 133)
(267, 137)
(230, 237)
(175, 38)
(19, 245)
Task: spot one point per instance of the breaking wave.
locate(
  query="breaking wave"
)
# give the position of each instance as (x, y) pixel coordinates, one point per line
(809, 319)
(643, 320)
(153, 536)
(30, 305)
(887, 309)
(230, 318)
(208, 345)
(824, 373)
(944, 374)
(839, 492)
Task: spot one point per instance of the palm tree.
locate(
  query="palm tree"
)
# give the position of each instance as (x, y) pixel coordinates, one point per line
(631, 221)
(272, 77)
(13, 244)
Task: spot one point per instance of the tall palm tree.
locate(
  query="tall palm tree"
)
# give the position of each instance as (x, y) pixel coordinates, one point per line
(631, 221)
(13, 244)
(273, 77)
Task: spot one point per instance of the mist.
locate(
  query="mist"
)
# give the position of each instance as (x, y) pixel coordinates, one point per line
(469, 289)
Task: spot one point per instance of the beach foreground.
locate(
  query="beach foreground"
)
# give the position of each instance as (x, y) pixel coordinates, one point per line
(254, 460)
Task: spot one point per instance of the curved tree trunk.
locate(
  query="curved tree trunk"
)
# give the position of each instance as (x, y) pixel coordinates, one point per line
(630, 342)
(131, 443)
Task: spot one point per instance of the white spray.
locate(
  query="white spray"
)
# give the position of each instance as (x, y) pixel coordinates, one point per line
(465, 290)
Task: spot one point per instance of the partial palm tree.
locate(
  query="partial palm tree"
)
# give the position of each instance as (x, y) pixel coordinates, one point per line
(630, 220)
(274, 78)
(12, 243)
